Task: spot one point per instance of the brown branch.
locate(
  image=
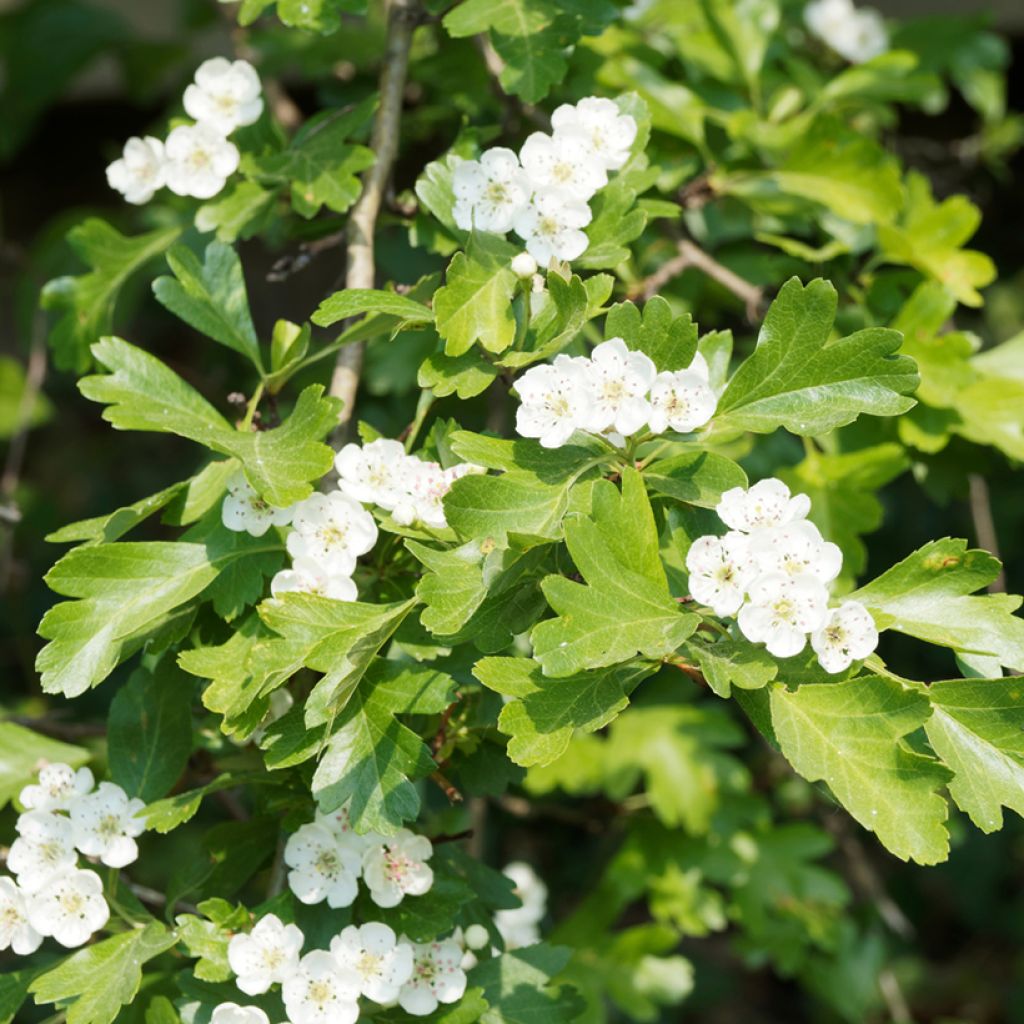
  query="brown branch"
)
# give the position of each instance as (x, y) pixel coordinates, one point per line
(453, 795)
(403, 17)
(984, 525)
(692, 256)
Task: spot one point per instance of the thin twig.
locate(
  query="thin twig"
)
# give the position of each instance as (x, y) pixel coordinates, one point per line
(984, 525)
(155, 898)
(292, 263)
(895, 1001)
(690, 255)
(403, 17)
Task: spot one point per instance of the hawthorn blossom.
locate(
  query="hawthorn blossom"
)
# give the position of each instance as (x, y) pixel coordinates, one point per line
(848, 635)
(426, 485)
(232, 1013)
(523, 265)
(372, 473)
(307, 576)
(44, 849)
(266, 955)
(59, 785)
(767, 503)
(721, 569)
(15, 930)
(105, 824)
(437, 977)
(551, 226)
(225, 94)
(554, 401)
(618, 381)
(331, 530)
(609, 132)
(199, 161)
(382, 963)
(321, 991)
(339, 824)
(682, 400)
(396, 867)
(782, 610)
(70, 908)
(244, 511)
(565, 161)
(797, 549)
(322, 867)
(519, 926)
(856, 34)
(140, 170)
(490, 192)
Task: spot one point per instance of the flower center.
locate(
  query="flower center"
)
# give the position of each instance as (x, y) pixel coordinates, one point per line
(368, 965)
(51, 852)
(320, 993)
(426, 970)
(327, 862)
(548, 226)
(10, 917)
(272, 958)
(562, 172)
(72, 903)
(396, 866)
(199, 160)
(496, 193)
(109, 826)
(332, 535)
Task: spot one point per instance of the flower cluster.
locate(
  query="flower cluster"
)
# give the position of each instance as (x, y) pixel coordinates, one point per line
(615, 392)
(771, 571)
(325, 985)
(196, 159)
(49, 894)
(326, 858)
(330, 531)
(857, 34)
(542, 193)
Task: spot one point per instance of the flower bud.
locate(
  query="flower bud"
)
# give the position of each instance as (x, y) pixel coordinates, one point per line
(477, 937)
(524, 265)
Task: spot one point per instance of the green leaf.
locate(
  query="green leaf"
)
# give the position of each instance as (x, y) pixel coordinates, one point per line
(124, 590)
(850, 735)
(796, 378)
(466, 376)
(14, 988)
(98, 980)
(211, 297)
(371, 757)
(23, 753)
(518, 989)
(545, 712)
(624, 608)
(142, 393)
(166, 815)
(669, 340)
(321, 165)
(237, 212)
(927, 595)
(698, 477)
(354, 301)
(617, 221)
(732, 662)
(149, 731)
(977, 728)
(475, 303)
(87, 302)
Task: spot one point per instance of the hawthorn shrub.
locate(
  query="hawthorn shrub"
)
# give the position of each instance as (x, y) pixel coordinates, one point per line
(520, 519)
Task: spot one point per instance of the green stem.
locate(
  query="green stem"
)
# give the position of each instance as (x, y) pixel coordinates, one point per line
(250, 409)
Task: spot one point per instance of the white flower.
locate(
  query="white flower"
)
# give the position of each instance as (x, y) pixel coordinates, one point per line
(565, 161)
(308, 577)
(721, 569)
(796, 549)
(426, 484)
(609, 132)
(70, 908)
(437, 977)
(44, 849)
(331, 530)
(767, 503)
(618, 381)
(267, 954)
(372, 473)
(322, 867)
(105, 824)
(551, 226)
(682, 400)
(524, 265)
(225, 94)
(554, 401)
(140, 170)
(849, 635)
(339, 825)
(321, 991)
(15, 930)
(244, 511)
(59, 785)
(519, 926)
(382, 963)
(199, 161)
(396, 867)
(490, 192)
(857, 35)
(782, 610)
(232, 1013)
